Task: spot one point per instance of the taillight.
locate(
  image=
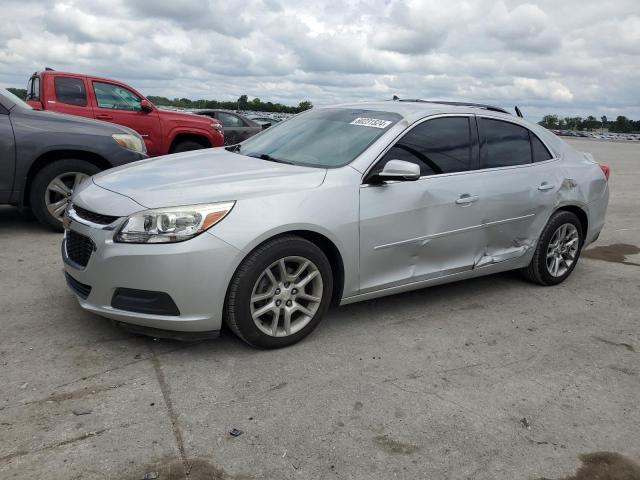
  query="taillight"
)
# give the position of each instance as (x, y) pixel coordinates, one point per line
(605, 169)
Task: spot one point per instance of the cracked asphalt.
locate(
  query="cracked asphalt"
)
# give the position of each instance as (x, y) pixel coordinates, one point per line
(492, 378)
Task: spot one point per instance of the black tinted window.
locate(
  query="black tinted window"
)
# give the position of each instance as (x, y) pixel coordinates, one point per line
(70, 90)
(442, 145)
(33, 88)
(540, 152)
(229, 120)
(505, 144)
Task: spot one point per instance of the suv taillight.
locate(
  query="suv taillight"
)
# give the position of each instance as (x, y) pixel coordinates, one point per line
(605, 169)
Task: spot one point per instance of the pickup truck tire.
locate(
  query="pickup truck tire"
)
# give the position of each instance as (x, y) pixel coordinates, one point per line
(42, 196)
(185, 146)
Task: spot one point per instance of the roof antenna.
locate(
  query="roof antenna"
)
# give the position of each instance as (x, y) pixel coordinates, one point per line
(395, 98)
(48, 69)
(518, 112)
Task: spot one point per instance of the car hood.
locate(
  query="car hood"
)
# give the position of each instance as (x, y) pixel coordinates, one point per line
(204, 176)
(185, 118)
(62, 122)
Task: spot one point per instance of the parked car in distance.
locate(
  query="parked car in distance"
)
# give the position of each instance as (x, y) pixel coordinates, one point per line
(338, 204)
(265, 120)
(112, 101)
(44, 156)
(236, 127)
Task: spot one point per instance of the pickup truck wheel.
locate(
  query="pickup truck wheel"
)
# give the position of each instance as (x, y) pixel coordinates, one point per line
(52, 187)
(185, 146)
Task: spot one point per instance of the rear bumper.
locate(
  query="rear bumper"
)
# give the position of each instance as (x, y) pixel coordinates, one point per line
(193, 274)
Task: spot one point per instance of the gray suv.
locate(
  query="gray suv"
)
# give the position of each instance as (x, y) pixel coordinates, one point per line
(45, 155)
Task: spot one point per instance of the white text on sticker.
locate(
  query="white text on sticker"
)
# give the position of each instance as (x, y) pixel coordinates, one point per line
(371, 122)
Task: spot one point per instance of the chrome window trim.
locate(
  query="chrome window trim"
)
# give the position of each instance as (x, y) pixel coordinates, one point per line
(466, 172)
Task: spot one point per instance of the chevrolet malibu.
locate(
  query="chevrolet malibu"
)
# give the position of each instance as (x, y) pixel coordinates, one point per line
(336, 205)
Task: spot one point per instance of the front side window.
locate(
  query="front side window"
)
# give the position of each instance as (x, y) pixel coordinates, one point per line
(505, 144)
(229, 120)
(116, 97)
(326, 137)
(441, 145)
(70, 91)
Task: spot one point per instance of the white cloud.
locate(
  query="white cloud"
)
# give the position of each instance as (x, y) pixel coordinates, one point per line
(570, 57)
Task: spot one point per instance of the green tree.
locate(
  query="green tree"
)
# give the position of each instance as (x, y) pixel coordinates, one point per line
(550, 121)
(305, 105)
(19, 92)
(621, 125)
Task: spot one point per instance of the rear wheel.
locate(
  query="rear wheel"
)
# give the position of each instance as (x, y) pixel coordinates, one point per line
(52, 187)
(185, 146)
(557, 251)
(279, 293)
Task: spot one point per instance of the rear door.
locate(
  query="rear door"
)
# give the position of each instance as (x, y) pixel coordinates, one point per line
(7, 156)
(117, 104)
(520, 193)
(69, 95)
(412, 231)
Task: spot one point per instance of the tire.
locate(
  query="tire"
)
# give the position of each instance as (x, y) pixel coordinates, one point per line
(251, 276)
(538, 271)
(41, 194)
(186, 146)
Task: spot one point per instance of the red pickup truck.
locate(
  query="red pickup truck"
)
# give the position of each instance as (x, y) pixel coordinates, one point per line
(105, 99)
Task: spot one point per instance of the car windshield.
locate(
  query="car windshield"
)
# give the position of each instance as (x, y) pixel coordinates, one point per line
(13, 98)
(327, 138)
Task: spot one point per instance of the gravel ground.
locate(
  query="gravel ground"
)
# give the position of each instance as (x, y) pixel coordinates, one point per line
(492, 378)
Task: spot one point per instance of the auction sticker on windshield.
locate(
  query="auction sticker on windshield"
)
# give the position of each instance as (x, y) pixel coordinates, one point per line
(371, 122)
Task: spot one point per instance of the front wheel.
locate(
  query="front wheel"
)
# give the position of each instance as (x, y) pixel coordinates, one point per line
(557, 251)
(186, 146)
(52, 187)
(279, 293)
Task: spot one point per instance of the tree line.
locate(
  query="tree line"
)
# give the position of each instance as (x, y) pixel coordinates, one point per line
(242, 103)
(621, 124)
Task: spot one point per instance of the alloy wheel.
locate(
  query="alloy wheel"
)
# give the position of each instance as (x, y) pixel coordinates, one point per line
(562, 249)
(286, 296)
(60, 190)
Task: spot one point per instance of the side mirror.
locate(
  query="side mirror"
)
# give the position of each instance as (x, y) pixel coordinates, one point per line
(265, 125)
(146, 106)
(399, 170)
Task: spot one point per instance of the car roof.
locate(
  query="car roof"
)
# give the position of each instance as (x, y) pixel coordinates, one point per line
(415, 110)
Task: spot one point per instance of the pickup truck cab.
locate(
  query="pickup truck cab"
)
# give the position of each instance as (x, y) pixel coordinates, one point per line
(112, 101)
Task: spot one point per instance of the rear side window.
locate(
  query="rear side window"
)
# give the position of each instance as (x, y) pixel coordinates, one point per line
(540, 152)
(441, 145)
(505, 144)
(70, 91)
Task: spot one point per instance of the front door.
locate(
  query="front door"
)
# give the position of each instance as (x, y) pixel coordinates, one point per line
(117, 104)
(412, 231)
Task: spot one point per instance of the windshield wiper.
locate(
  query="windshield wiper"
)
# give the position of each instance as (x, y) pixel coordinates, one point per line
(233, 148)
(269, 158)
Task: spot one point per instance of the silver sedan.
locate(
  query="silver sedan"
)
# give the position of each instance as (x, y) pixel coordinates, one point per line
(336, 205)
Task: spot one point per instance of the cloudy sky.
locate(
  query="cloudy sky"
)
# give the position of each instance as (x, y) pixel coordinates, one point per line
(548, 56)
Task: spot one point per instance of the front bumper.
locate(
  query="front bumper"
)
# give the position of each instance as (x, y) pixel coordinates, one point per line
(194, 273)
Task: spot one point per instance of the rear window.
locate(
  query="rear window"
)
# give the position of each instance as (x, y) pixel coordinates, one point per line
(33, 88)
(70, 91)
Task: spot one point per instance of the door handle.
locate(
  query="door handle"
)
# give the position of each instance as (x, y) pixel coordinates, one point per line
(545, 186)
(104, 116)
(467, 199)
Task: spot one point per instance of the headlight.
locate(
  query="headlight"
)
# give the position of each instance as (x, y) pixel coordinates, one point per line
(173, 224)
(130, 142)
